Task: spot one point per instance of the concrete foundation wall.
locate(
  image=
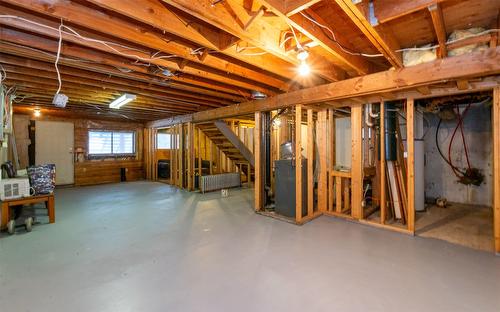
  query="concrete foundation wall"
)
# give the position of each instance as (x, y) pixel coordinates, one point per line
(440, 180)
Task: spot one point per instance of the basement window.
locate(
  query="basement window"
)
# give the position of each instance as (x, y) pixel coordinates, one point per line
(163, 141)
(111, 143)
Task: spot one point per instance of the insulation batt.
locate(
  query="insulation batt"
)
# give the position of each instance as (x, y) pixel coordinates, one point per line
(460, 34)
(411, 58)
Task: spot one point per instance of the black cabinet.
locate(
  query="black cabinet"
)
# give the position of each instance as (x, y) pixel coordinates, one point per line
(285, 187)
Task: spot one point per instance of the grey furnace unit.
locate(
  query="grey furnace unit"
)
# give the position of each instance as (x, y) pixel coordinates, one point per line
(285, 187)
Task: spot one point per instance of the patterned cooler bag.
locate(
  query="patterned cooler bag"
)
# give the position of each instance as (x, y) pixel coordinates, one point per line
(42, 178)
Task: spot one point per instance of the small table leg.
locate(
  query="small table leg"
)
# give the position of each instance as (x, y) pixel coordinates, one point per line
(5, 215)
(51, 209)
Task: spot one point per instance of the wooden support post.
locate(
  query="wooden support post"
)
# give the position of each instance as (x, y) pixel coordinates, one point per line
(259, 182)
(410, 141)
(171, 156)
(310, 161)
(154, 157)
(322, 176)
(200, 135)
(190, 156)
(181, 155)
(210, 157)
(357, 161)
(298, 163)
(383, 182)
(174, 155)
(331, 158)
(496, 167)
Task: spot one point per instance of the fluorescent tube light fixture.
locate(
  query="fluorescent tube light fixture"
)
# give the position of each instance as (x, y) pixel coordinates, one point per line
(122, 100)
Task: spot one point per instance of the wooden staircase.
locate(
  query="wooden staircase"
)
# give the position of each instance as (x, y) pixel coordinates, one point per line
(230, 144)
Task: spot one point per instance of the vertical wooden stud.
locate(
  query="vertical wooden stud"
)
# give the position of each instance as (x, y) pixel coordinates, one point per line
(331, 159)
(200, 135)
(410, 141)
(338, 194)
(310, 162)
(298, 163)
(496, 167)
(190, 154)
(357, 161)
(322, 175)
(383, 183)
(210, 157)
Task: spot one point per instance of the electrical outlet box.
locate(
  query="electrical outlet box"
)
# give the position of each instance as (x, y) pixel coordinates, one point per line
(60, 100)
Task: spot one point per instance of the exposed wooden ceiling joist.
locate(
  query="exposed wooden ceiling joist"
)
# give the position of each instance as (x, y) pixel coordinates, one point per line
(211, 67)
(439, 28)
(382, 39)
(305, 23)
(387, 10)
(156, 14)
(292, 7)
(261, 34)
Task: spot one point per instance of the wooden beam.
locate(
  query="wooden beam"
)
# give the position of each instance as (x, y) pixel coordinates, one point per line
(86, 17)
(156, 14)
(298, 164)
(439, 28)
(263, 35)
(496, 167)
(410, 141)
(356, 161)
(93, 59)
(292, 7)
(255, 16)
(463, 84)
(382, 40)
(477, 64)
(387, 10)
(303, 23)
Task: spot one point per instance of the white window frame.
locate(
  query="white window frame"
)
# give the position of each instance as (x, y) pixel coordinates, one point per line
(112, 154)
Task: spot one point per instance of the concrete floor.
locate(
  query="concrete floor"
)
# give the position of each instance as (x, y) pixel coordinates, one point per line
(148, 247)
(466, 225)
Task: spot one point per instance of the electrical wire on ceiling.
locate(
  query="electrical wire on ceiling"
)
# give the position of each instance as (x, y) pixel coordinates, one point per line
(59, 46)
(297, 42)
(66, 30)
(331, 36)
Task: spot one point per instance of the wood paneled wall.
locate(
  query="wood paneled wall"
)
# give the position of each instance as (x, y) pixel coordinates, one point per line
(96, 171)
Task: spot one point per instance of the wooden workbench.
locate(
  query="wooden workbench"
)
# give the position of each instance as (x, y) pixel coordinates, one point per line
(47, 199)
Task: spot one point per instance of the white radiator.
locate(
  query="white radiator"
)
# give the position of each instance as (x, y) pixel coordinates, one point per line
(219, 181)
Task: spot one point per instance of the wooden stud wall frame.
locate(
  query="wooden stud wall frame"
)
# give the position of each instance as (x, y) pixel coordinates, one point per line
(339, 193)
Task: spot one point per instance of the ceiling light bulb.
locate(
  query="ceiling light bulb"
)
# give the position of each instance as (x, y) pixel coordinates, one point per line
(36, 112)
(302, 54)
(304, 69)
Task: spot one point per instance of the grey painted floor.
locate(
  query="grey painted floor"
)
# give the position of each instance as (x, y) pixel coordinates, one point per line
(148, 247)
